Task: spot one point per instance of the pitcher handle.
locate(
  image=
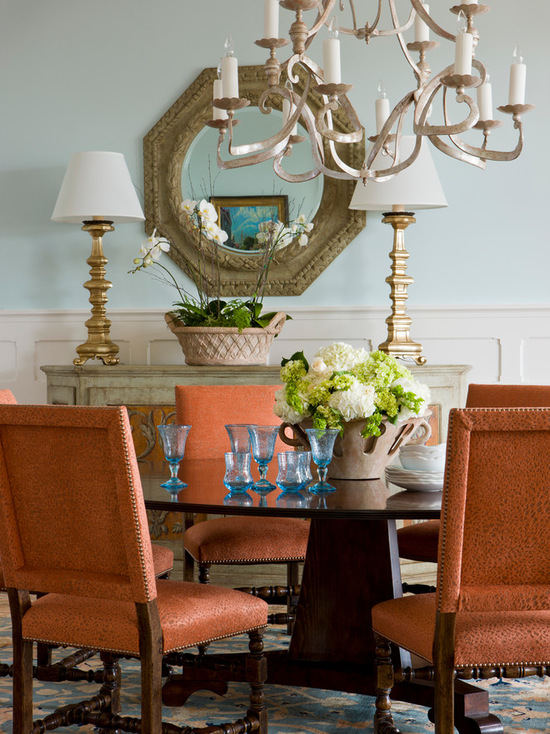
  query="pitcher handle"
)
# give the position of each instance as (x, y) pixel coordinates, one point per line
(422, 431)
(300, 436)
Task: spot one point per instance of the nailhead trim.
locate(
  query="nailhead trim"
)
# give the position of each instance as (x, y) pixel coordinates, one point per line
(149, 593)
(239, 561)
(196, 643)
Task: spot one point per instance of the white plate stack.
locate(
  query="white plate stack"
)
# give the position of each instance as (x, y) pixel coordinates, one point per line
(422, 468)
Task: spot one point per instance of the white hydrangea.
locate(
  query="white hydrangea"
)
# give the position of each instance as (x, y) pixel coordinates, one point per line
(420, 390)
(284, 411)
(341, 356)
(355, 402)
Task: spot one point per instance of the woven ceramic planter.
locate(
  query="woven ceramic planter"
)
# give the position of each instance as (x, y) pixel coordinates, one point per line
(355, 457)
(224, 345)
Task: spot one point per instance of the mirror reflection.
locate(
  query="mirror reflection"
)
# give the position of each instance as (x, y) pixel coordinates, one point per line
(246, 196)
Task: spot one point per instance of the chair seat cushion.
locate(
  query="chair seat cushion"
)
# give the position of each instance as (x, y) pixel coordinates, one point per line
(190, 614)
(248, 540)
(419, 542)
(482, 638)
(163, 559)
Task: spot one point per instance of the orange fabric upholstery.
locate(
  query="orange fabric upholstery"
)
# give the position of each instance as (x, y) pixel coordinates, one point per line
(7, 398)
(190, 614)
(492, 604)
(163, 558)
(59, 445)
(419, 542)
(208, 408)
(481, 639)
(248, 540)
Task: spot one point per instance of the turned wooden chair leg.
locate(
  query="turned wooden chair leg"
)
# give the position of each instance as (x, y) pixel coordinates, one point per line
(256, 674)
(204, 573)
(383, 720)
(292, 579)
(150, 649)
(22, 665)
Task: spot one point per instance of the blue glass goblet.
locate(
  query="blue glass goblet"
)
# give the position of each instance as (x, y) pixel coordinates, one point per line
(262, 443)
(239, 437)
(321, 441)
(173, 437)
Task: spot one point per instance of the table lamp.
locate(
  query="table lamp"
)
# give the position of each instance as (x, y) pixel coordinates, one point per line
(416, 187)
(97, 190)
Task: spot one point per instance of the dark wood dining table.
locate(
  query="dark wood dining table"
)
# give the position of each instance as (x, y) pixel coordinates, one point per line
(352, 563)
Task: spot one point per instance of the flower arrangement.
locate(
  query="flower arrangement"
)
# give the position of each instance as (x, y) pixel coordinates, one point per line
(344, 384)
(207, 308)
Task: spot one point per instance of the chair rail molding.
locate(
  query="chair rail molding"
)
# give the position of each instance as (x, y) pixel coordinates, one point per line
(508, 344)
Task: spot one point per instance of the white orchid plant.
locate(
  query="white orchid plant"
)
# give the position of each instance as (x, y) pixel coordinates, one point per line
(344, 384)
(207, 309)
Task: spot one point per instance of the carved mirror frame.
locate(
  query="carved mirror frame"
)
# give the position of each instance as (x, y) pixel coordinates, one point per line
(164, 150)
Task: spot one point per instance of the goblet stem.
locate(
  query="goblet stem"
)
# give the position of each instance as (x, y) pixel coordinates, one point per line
(174, 466)
(322, 473)
(262, 468)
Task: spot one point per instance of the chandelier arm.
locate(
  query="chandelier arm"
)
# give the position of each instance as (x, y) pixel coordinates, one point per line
(492, 155)
(427, 18)
(248, 157)
(420, 127)
(351, 173)
(398, 111)
(327, 131)
(452, 152)
(281, 135)
(397, 29)
(321, 20)
(401, 40)
(384, 174)
(293, 177)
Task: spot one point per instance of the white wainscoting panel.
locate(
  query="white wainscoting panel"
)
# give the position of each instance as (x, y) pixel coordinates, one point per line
(502, 344)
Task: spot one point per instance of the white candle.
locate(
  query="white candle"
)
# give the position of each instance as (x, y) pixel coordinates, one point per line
(518, 76)
(421, 30)
(271, 18)
(463, 53)
(229, 71)
(468, 2)
(485, 100)
(218, 94)
(331, 56)
(382, 108)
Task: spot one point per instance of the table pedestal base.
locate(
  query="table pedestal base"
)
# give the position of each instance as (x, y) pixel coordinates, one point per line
(351, 565)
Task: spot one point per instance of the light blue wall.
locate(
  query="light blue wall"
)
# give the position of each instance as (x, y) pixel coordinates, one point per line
(80, 75)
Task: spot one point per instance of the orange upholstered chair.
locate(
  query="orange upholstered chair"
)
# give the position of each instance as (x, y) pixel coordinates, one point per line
(73, 527)
(490, 615)
(419, 542)
(236, 540)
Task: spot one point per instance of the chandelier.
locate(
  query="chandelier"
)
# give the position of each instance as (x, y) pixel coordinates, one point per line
(456, 81)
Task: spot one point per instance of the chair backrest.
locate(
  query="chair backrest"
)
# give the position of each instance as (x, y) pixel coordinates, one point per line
(72, 517)
(508, 396)
(208, 408)
(7, 398)
(494, 545)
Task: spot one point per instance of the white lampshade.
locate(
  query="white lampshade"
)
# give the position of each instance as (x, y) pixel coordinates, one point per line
(97, 185)
(416, 187)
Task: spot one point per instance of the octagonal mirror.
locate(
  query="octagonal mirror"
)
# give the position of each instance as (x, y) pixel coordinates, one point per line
(180, 163)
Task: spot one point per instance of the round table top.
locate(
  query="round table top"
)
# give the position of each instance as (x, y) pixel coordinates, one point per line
(365, 498)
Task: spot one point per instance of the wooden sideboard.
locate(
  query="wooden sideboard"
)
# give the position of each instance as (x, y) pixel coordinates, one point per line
(153, 385)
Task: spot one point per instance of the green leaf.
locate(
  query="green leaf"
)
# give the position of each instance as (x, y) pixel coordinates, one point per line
(298, 356)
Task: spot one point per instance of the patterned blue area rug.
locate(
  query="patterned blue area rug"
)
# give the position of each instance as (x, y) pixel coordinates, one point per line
(522, 705)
